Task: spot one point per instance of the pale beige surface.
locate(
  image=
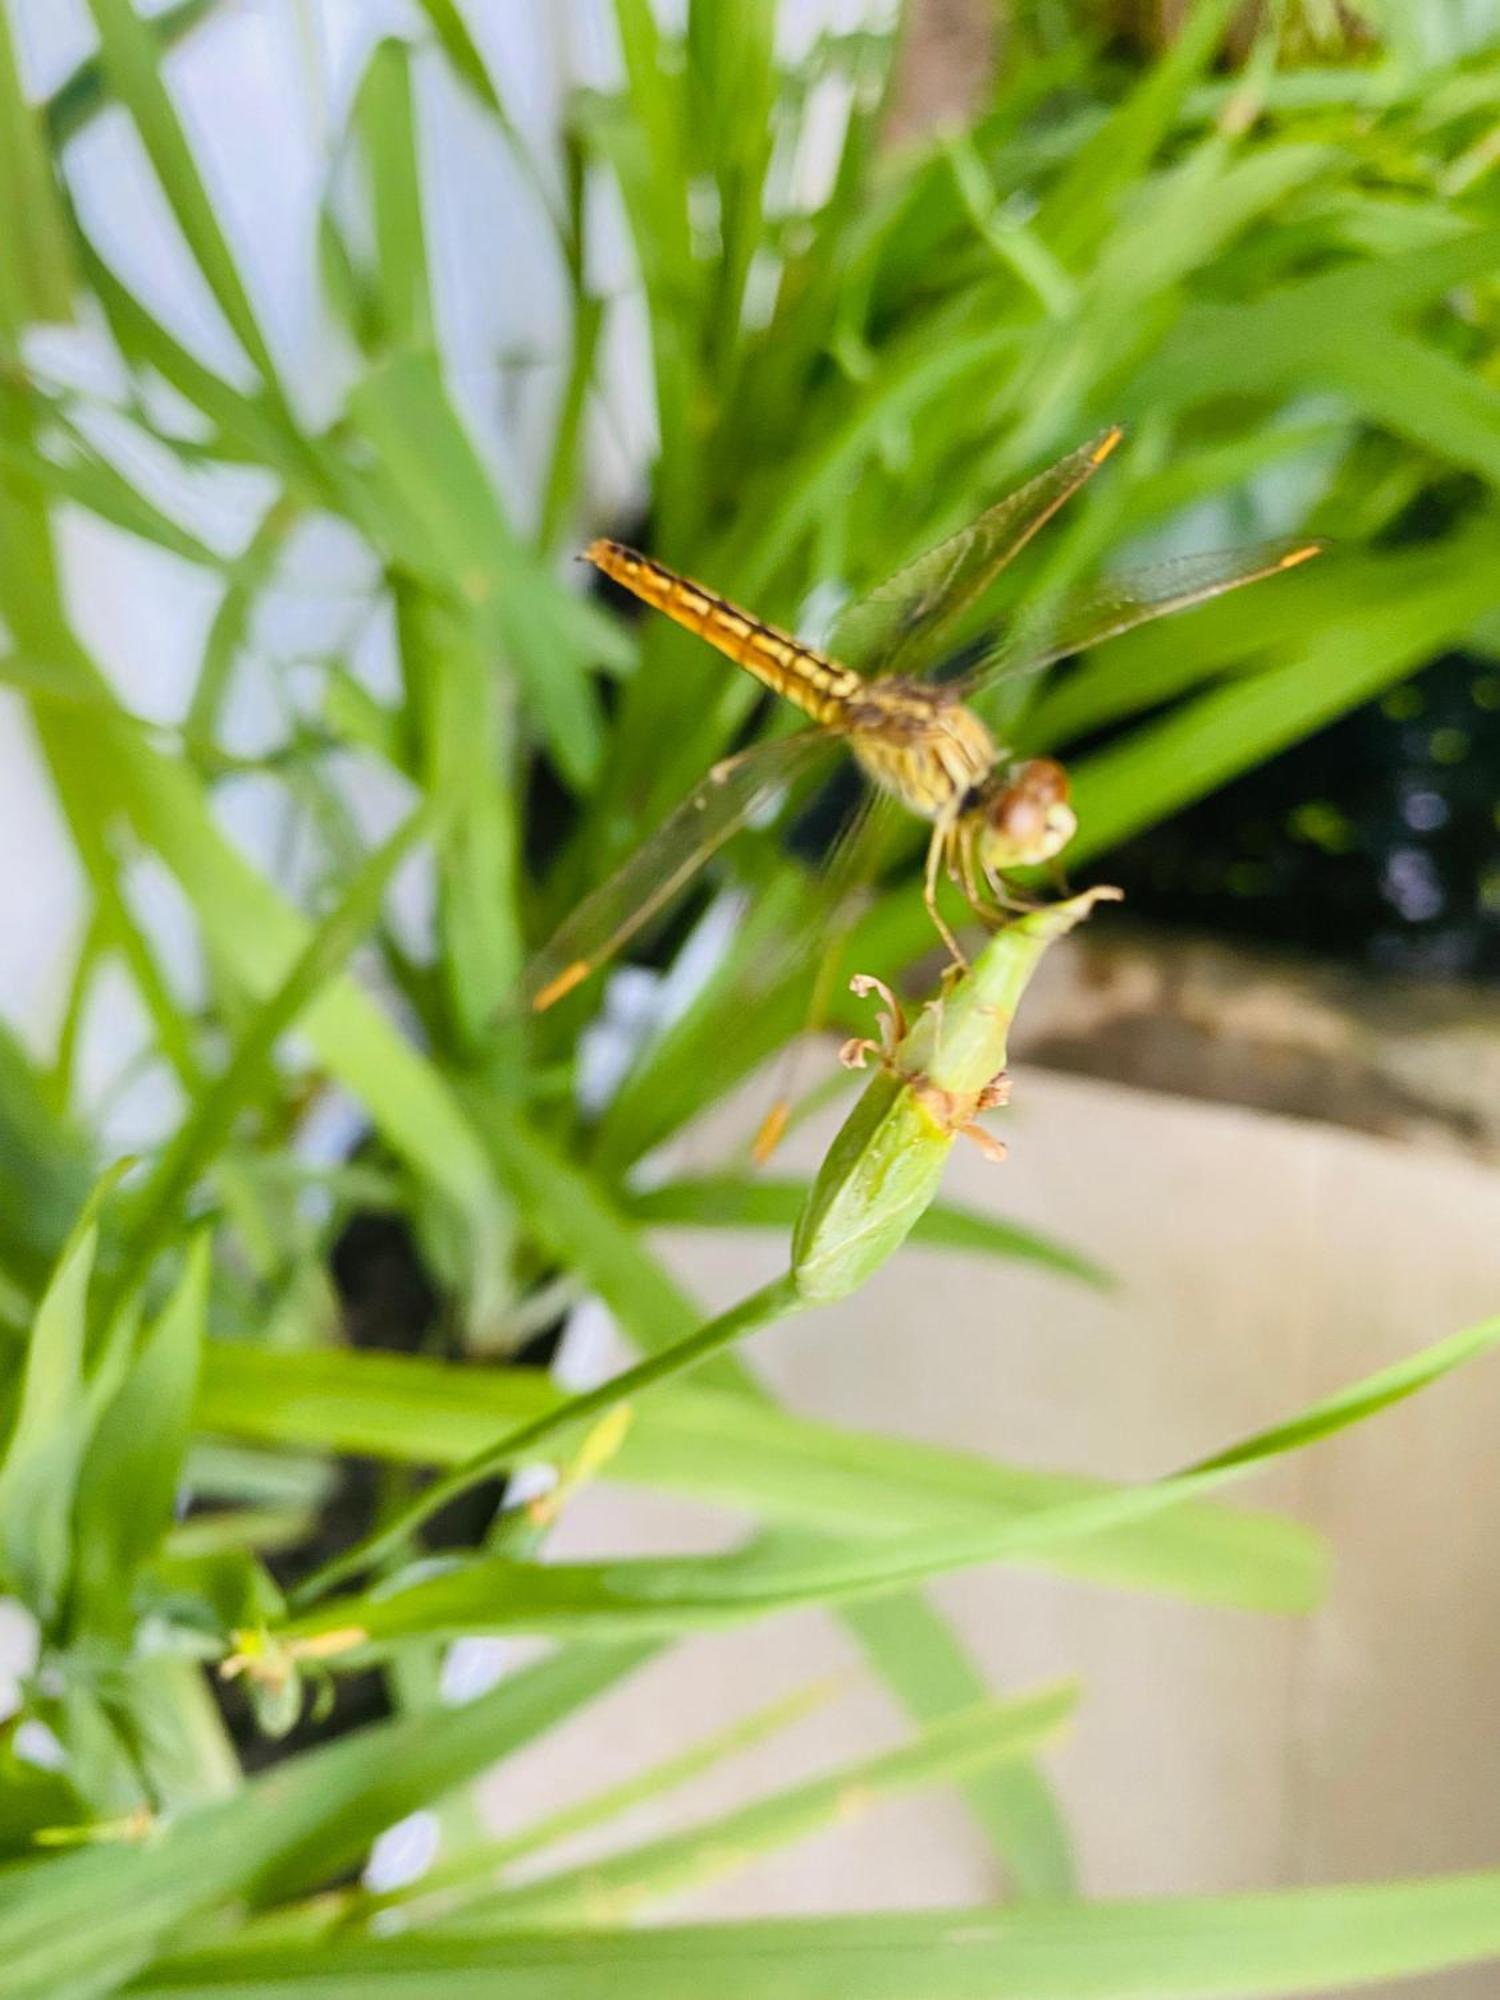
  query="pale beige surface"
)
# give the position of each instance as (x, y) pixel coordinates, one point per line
(1262, 1262)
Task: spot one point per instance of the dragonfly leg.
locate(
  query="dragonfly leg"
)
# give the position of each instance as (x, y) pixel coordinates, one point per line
(1007, 897)
(937, 854)
(992, 918)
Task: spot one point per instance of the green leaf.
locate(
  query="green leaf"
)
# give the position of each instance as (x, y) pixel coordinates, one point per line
(438, 510)
(36, 272)
(257, 937)
(128, 51)
(1078, 212)
(84, 1922)
(734, 1452)
(464, 728)
(669, 1595)
(615, 1889)
(1296, 1941)
(208, 1127)
(133, 1462)
(923, 1664)
(84, 93)
(87, 479)
(384, 121)
(40, 1466)
(462, 51)
(761, 1308)
(475, 1869)
(45, 1170)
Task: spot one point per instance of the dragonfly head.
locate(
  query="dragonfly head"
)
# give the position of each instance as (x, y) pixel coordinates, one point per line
(1024, 815)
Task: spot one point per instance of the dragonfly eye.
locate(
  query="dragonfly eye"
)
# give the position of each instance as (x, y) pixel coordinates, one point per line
(1026, 815)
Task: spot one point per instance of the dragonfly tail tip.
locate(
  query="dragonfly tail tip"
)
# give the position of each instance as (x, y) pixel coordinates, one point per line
(556, 989)
(1304, 552)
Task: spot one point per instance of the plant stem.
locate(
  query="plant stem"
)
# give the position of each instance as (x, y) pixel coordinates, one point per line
(771, 1302)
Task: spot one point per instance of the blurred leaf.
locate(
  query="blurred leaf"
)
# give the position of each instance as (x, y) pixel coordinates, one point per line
(1294, 1941)
(665, 1595)
(128, 52)
(208, 1127)
(87, 479)
(33, 1799)
(614, 1889)
(446, 524)
(463, 726)
(36, 272)
(917, 1655)
(45, 1170)
(1078, 212)
(84, 1922)
(384, 122)
(258, 936)
(84, 93)
(737, 1453)
(41, 1461)
(475, 1870)
(459, 46)
(127, 1487)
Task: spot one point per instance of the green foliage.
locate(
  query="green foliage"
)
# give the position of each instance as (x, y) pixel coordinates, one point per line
(1283, 277)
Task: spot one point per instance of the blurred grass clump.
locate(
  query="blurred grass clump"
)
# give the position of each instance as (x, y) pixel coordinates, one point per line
(797, 355)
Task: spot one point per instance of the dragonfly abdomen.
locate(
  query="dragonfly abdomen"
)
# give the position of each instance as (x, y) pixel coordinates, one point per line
(818, 685)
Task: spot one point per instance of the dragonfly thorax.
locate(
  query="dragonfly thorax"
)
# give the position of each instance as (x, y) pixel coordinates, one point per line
(920, 743)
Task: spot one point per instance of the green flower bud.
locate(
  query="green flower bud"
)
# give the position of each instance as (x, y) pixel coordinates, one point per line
(885, 1165)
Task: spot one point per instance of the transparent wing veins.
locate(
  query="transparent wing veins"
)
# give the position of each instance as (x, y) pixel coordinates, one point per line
(1119, 604)
(665, 862)
(894, 628)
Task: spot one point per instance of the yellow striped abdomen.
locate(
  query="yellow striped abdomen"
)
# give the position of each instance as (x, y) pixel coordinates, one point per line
(818, 685)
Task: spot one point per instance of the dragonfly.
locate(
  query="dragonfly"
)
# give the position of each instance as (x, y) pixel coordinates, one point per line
(880, 691)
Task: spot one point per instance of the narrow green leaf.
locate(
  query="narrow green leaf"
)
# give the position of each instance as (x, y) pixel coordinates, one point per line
(462, 51)
(668, 1595)
(45, 1169)
(915, 1652)
(735, 1452)
(1078, 211)
(761, 1308)
(88, 480)
(615, 1889)
(208, 1127)
(84, 1922)
(1294, 1941)
(41, 1460)
(258, 936)
(463, 724)
(84, 93)
(475, 1871)
(439, 512)
(133, 1461)
(128, 51)
(36, 272)
(384, 122)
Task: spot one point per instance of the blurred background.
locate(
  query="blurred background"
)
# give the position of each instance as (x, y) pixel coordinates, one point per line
(331, 329)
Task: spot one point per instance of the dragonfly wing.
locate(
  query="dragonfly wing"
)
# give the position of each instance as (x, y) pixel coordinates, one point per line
(1119, 604)
(732, 794)
(894, 628)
